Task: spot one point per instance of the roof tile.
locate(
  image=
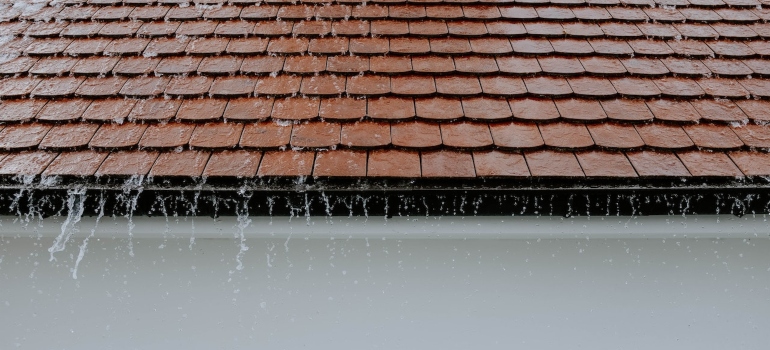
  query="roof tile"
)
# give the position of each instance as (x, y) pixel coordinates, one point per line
(701, 163)
(340, 163)
(216, 135)
(68, 136)
(657, 164)
(605, 164)
(447, 164)
(127, 163)
(286, 163)
(550, 163)
(78, 163)
(752, 163)
(184, 163)
(394, 163)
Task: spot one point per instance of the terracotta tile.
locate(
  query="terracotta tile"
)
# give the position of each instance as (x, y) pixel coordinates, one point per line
(752, 163)
(295, 108)
(368, 85)
(178, 65)
(101, 87)
(544, 29)
(117, 136)
(304, 64)
(648, 47)
(391, 108)
(207, 46)
(156, 29)
(415, 134)
(657, 164)
(500, 164)
(516, 135)
(279, 85)
(757, 87)
(63, 110)
(18, 87)
(760, 67)
(234, 28)
(466, 135)
(389, 28)
(439, 108)
(605, 164)
(566, 135)
(262, 64)
(315, 135)
(188, 86)
(45, 47)
(390, 64)
(17, 65)
(265, 135)
(612, 135)
(532, 46)
(94, 66)
(15, 137)
(86, 47)
(295, 12)
(581, 30)
(592, 87)
(475, 64)
(153, 109)
(578, 109)
(69, 136)
(723, 88)
(481, 12)
(645, 66)
(112, 13)
(635, 87)
(184, 163)
(232, 86)
(670, 110)
(57, 87)
(555, 13)
(591, 13)
(365, 134)
(447, 164)
(548, 86)
(713, 136)
(233, 164)
(719, 110)
(678, 87)
(135, 66)
(553, 164)
(115, 110)
(334, 11)
(433, 64)
(603, 66)
(413, 85)
(57, 66)
(347, 64)
(394, 163)
(17, 111)
(664, 136)
(534, 109)
(247, 45)
(340, 163)
(620, 30)
(753, 135)
(323, 85)
(691, 48)
(286, 163)
(702, 163)
(201, 109)
(166, 135)
(487, 45)
(369, 46)
(483, 108)
(518, 12)
(502, 85)
(458, 85)
(149, 12)
(220, 65)
(288, 45)
(166, 46)
(343, 108)
(26, 163)
(275, 28)
(79, 163)
(430, 28)
(216, 135)
(350, 27)
(197, 28)
(450, 45)
(444, 11)
(333, 45)
(126, 46)
(734, 31)
(505, 28)
(756, 110)
(611, 47)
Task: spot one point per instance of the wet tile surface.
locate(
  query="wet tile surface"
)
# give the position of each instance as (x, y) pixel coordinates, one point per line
(387, 89)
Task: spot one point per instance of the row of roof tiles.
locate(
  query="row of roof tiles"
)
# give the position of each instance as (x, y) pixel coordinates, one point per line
(356, 28)
(416, 134)
(377, 85)
(341, 11)
(379, 46)
(389, 163)
(386, 108)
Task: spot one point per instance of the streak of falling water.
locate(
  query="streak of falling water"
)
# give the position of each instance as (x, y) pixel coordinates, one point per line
(84, 245)
(133, 183)
(76, 198)
(243, 222)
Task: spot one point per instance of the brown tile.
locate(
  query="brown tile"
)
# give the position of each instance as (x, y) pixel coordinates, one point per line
(144, 86)
(447, 164)
(572, 47)
(719, 110)
(18, 87)
(548, 86)
(753, 135)
(53, 66)
(603, 65)
(262, 64)
(579, 109)
(126, 46)
(288, 45)
(515, 135)
(323, 85)
(389, 28)
(78, 163)
(635, 87)
(483, 108)
(534, 109)
(340, 163)
(304, 64)
(671, 110)
(154, 109)
(439, 108)
(391, 108)
(752, 163)
(613, 135)
(333, 45)
(189, 86)
(429, 28)
(502, 85)
(232, 86)
(500, 164)
(728, 68)
(116, 136)
(648, 47)
(155, 29)
(220, 65)
(394, 163)
(390, 64)
(343, 108)
(57, 87)
(532, 46)
(566, 135)
(86, 47)
(244, 109)
(368, 85)
(286, 163)
(657, 164)
(216, 135)
(22, 110)
(713, 136)
(127, 163)
(250, 46)
(755, 109)
(135, 65)
(611, 47)
(101, 87)
(166, 135)
(409, 45)
(664, 136)
(279, 85)
(723, 88)
(605, 164)
(45, 47)
(315, 135)
(413, 85)
(458, 85)
(350, 27)
(18, 65)
(365, 134)
(178, 65)
(201, 109)
(64, 110)
(26, 163)
(265, 135)
(415, 134)
(14, 137)
(592, 87)
(627, 109)
(69, 136)
(466, 135)
(703, 163)
(295, 108)
(561, 65)
(233, 164)
(679, 88)
(553, 164)
(491, 46)
(184, 163)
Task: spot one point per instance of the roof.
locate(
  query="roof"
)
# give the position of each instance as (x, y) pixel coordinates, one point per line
(378, 89)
